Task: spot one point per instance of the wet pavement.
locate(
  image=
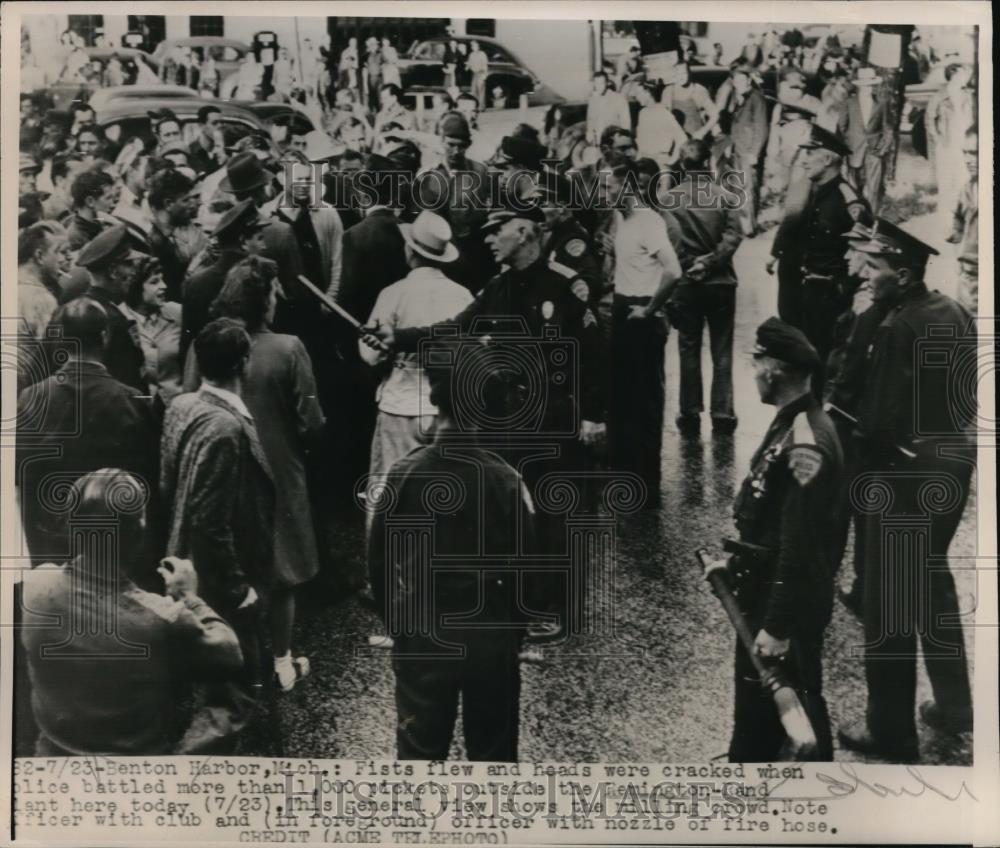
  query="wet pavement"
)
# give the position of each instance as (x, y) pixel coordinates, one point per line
(657, 688)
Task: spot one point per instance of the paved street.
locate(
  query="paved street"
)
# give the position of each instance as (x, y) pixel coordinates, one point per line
(661, 689)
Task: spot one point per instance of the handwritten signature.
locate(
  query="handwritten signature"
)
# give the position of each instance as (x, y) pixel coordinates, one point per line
(851, 782)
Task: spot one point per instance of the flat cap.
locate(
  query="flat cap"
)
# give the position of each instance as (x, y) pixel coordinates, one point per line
(523, 152)
(819, 137)
(28, 163)
(888, 239)
(106, 248)
(785, 343)
(240, 219)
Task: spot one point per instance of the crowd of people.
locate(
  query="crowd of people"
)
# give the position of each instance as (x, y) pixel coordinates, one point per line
(225, 367)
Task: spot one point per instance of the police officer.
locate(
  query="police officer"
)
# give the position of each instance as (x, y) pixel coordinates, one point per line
(113, 260)
(846, 369)
(529, 309)
(915, 447)
(569, 246)
(783, 516)
(819, 290)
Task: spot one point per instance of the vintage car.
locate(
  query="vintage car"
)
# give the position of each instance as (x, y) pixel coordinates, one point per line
(103, 96)
(269, 113)
(422, 66)
(125, 119)
(139, 68)
(227, 52)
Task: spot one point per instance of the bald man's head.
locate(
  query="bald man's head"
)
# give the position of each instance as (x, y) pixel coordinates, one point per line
(84, 321)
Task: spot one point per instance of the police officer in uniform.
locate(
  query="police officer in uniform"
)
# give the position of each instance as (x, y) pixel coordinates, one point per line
(784, 562)
(814, 237)
(916, 446)
(846, 370)
(113, 259)
(569, 246)
(529, 307)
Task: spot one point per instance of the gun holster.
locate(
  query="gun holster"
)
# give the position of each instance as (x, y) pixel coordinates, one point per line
(748, 563)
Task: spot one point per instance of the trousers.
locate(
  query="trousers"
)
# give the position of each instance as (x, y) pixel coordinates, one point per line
(910, 595)
(488, 679)
(637, 396)
(692, 307)
(758, 735)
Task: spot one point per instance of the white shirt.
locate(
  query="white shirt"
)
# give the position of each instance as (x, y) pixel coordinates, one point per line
(233, 399)
(638, 240)
(423, 297)
(658, 135)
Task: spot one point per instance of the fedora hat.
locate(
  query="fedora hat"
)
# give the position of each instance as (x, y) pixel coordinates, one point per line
(244, 173)
(430, 236)
(320, 147)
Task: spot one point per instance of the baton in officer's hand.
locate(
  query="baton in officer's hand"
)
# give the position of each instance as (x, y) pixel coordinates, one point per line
(366, 336)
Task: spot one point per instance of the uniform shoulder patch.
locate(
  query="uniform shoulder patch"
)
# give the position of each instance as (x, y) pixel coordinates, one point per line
(575, 247)
(589, 319)
(559, 268)
(805, 461)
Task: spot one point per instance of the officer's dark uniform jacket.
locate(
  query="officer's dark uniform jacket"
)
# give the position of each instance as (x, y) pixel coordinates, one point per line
(570, 247)
(832, 210)
(892, 407)
(537, 300)
(847, 366)
(784, 507)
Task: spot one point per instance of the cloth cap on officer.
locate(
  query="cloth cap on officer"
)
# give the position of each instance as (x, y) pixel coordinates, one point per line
(820, 137)
(785, 343)
(887, 239)
(109, 247)
(241, 219)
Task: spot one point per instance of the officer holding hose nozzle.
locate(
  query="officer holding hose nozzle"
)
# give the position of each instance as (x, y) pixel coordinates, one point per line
(782, 569)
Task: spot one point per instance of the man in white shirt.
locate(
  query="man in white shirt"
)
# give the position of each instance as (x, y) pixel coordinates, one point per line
(605, 108)
(646, 271)
(424, 297)
(657, 132)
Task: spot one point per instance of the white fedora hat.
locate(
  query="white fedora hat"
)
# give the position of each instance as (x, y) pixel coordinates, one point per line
(320, 146)
(430, 236)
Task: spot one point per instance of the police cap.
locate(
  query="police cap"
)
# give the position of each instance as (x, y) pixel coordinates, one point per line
(820, 137)
(107, 248)
(887, 239)
(785, 343)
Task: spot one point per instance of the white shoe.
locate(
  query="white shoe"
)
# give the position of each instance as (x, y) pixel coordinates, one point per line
(289, 671)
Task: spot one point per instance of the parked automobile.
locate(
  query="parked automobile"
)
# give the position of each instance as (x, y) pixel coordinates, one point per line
(422, 66)
(138, 66)
(268, 112)
(227, 52)
(127, 118)
(103, 96)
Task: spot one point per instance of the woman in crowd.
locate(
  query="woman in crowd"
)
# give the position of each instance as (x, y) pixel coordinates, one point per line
(279, 389)
(158, 322)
